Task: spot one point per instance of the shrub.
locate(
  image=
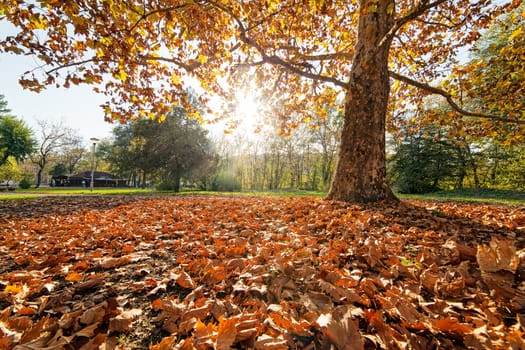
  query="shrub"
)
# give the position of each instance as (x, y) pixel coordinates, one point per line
(24, 184)
(225, 181)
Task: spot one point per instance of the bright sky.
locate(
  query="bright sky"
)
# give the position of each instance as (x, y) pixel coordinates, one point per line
(77, 107)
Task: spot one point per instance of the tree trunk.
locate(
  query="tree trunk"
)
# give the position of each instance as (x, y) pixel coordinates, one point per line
(360, 174)
(38, 177)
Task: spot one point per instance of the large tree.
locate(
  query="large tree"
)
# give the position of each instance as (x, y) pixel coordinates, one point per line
(176, 148)
(301, 55)
(16, 139)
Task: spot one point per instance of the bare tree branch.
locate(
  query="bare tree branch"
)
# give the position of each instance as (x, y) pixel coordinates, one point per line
(450, 100)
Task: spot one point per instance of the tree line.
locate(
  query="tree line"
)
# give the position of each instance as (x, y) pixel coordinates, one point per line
(179, 152)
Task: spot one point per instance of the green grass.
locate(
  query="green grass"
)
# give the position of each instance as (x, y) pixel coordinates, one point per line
(74, 191)
(49, 191)
(54, 191)
(275, 193)
(506, 197)
(489, 196)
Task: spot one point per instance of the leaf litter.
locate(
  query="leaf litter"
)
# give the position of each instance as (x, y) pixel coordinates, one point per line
(259, 273)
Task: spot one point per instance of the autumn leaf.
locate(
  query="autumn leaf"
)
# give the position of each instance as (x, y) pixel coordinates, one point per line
(451, 325)
(226, 334)
(185, 281)
(122, 323)
(26, 311)
(498, 255)
(238, 279)
(342, 331)
(74, 277)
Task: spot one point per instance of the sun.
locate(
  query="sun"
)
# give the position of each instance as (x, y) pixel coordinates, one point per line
(247, 112)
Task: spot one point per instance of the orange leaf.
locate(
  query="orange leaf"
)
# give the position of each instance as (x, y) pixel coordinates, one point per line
(81, 265)
(451, 325)
(157, 304)
(185, 281)
(227, 333)
(165, 344)
(26, 311)
(14, 288)
(74, 277)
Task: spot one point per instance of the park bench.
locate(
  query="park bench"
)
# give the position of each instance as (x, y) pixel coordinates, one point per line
(8, 185)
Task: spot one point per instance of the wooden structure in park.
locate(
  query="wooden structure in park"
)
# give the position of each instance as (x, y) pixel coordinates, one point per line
(83, 179)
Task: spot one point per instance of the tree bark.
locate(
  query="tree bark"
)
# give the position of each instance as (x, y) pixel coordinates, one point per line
(38, 177)
(360, 174)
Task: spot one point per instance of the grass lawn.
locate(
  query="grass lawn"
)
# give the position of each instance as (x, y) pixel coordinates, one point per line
(473, 195)
(53, 191)
(488, 196)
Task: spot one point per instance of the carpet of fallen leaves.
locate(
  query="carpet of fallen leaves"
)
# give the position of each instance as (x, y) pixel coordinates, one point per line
(259, 273)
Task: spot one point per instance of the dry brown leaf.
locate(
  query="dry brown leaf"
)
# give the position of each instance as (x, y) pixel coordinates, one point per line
(500, 254)
(266, 342)
(185, 281)
(342, 332)
(271, 267)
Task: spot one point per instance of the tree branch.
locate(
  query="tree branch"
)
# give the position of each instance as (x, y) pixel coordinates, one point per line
(71, 64)
(448, 97)
(421, 8)
(273, 59)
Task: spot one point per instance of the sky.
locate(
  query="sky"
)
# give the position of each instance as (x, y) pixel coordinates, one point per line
(77, 107)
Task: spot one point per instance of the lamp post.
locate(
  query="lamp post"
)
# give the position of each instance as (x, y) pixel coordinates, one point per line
(94, 140)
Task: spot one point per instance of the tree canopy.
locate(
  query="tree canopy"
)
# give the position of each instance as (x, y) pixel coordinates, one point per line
(169, 151)
(301, 55)
(16, 139)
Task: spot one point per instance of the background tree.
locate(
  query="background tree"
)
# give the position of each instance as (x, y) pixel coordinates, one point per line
(16, 139)
(3, 106)
(54, 139)
(71, 153)
(493, 78)
(177, 146)
(301, 55)
(169, 150)
(123, 159)
(10, 170)
(422, 160)
(485, 154)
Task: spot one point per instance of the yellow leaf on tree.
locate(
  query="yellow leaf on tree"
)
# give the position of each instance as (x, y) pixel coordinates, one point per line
(121, 75)
(202, 59)
(175, 79)
(390, 8)
(516, 33)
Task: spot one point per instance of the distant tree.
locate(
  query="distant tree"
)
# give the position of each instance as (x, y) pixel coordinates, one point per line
(169, 150)
(16, 139)
(3, 106)
(123, 159)
(10, 170)
(326, 133)
(59, 169)
(493, 79)
(421, 160)
(178, 145)
(54, 138)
